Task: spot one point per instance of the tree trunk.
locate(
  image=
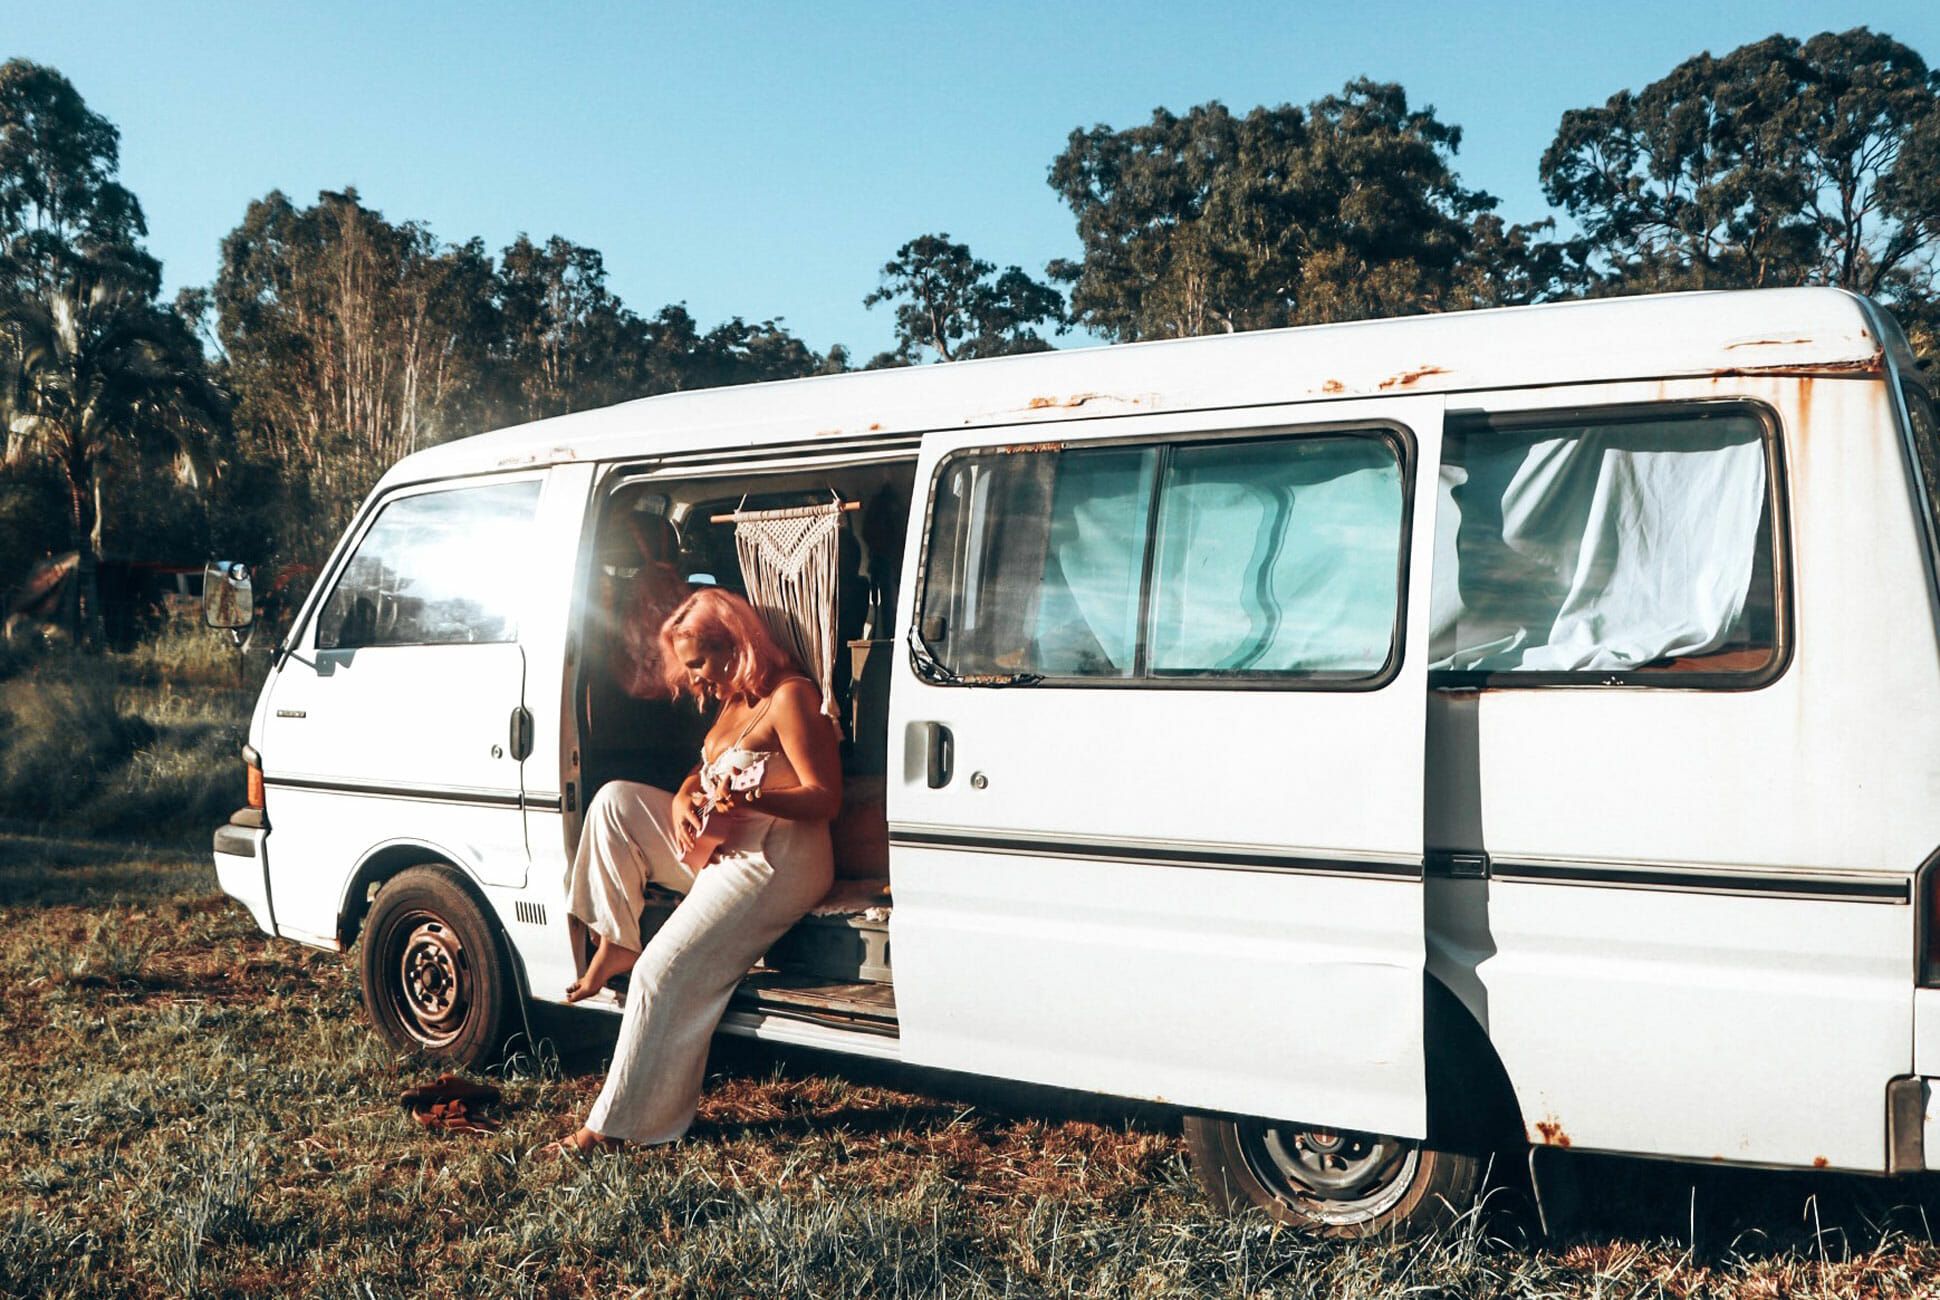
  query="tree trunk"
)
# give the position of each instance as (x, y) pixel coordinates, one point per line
(83, 517)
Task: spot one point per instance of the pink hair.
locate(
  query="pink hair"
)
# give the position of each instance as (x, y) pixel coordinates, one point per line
(720, 621)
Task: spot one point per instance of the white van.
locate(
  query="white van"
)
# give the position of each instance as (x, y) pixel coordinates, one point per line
(1380, 741)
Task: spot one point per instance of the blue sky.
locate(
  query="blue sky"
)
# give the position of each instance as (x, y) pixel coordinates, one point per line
(765, 159)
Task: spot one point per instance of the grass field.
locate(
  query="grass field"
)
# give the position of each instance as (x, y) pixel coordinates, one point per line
(188, 1107)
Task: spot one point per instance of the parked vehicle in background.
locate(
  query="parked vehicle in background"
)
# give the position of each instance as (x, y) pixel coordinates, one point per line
(1387, 743)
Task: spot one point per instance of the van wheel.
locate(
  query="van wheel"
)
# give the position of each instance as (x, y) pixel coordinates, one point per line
(435, 979)
(1332, 1182)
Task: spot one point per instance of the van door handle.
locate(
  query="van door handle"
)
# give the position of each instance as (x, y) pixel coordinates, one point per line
(520, 740)
(943, 754)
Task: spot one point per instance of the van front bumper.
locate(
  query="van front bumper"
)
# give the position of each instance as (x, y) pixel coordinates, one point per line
(242, 864)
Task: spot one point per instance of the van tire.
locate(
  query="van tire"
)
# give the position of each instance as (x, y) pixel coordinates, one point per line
(1375, 1186)
(434, 974)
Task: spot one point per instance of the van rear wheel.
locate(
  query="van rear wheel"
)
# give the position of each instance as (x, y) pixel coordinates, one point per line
(435, 978)
(1332, 1182)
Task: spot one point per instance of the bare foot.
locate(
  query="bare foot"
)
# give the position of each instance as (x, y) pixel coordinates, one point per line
(581, 1143)
(609, 960)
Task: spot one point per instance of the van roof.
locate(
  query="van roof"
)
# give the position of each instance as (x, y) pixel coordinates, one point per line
(1769, 331)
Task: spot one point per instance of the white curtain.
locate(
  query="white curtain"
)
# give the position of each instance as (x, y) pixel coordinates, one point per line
(1606, 548)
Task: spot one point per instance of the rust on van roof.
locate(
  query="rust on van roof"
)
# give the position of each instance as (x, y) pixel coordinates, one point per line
(1074, 401)
(1859, 368)
(1409, 378)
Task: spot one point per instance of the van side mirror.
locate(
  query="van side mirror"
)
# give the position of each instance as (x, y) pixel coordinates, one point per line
(227, 599)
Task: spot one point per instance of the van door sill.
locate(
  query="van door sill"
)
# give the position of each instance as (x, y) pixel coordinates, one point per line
(867, 1007)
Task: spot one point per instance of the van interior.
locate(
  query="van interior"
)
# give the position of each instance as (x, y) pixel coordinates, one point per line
(655, 539)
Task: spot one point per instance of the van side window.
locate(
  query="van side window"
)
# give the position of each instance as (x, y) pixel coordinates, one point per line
(1279, 557)
(434, 569)
(1270, 558)
(1602, 548)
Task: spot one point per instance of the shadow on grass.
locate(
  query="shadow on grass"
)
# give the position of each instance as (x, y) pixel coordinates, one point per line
(46, 871)
(580, 1042)
(1718, 1213)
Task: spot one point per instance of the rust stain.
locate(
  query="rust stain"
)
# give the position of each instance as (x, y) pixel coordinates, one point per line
(1073, 402)
(1820, 1162)
(1871, 367)
(828, 433)
(1026, 448)
(1552, 1133)
(1408, 377)
(876, 427)
(1766, 343)
(1333, 386)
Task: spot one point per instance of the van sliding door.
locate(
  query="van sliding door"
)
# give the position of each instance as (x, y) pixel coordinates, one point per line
(1155, 788)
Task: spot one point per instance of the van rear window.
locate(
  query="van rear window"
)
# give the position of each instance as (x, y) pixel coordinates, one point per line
(434, 569)
(1270, 559)
(1596, 549)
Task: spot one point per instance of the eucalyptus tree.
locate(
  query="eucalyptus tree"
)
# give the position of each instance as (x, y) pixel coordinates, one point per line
(59, 196)
(1208, 222)
(93, 376)
(959, 307)
(1784, 161)
(349, 340)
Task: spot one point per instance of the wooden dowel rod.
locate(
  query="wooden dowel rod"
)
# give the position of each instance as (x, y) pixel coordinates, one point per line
(787, 512)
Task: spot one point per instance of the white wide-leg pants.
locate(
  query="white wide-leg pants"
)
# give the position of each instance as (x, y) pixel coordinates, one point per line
(760, 883)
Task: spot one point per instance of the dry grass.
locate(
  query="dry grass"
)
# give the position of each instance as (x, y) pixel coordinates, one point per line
(144, 745)
(188, 1107)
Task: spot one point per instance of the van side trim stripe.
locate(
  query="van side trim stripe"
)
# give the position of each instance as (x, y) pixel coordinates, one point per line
(1824, 887)
(441, 794)
(1223, 857)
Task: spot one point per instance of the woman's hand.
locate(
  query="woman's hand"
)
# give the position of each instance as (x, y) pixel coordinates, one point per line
(687, 822)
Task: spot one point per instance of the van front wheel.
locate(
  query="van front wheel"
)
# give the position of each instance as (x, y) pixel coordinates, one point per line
(434, 976)
(1332, 1182)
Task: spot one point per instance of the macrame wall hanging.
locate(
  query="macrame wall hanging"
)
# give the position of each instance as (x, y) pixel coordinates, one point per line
(788, 561)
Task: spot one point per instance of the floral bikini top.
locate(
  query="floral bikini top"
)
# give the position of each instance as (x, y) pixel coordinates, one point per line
(734, 770)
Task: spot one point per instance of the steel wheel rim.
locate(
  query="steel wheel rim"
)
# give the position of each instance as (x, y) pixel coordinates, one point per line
(431, 986)
(1338, 1177)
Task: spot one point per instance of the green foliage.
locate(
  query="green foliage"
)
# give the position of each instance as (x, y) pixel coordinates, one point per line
(959, 307)
(58, 195)
(351, 340)
(1782, 162)
(348, 341)
(96, 380)
(1344, 209)
(33, 518)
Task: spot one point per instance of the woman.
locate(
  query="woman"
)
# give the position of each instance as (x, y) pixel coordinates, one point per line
(745, 838)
